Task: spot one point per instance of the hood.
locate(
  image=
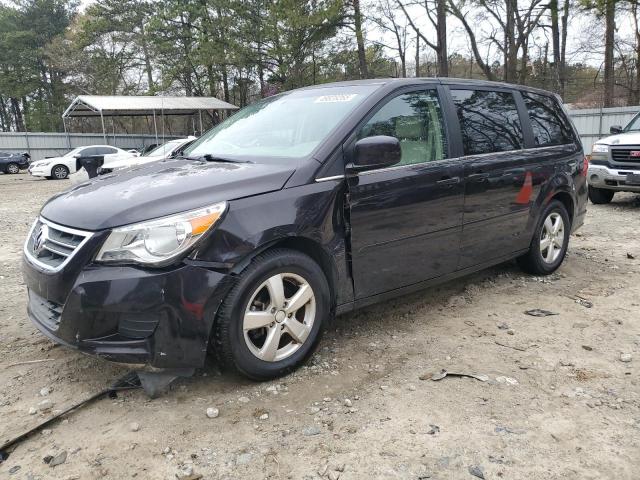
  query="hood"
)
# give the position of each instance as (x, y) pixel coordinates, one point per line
(630, 138)
(158, 189)
(48, 160)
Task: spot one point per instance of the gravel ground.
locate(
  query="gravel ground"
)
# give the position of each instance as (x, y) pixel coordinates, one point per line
(561, 398)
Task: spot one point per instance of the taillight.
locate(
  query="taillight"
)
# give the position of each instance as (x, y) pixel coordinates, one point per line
(585, 166)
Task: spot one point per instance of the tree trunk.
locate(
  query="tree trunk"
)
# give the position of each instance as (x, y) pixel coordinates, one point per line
(357, 20)
(510, 52)
(636, 27)
(563, 49)
(147, 59)
(609, 74)
(555, 42)
(417, 55)
(441, 32)
(17, 114)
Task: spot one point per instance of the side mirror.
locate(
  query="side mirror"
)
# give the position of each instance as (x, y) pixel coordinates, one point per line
(615, 129)
(77, 155)
(375, 152)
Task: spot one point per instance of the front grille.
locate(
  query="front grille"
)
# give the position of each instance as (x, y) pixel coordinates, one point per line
(44, 311)
(624, 155)
(51, 246)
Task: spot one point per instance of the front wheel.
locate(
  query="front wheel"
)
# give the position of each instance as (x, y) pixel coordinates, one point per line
(59, 172)
(13, 168)
(272, 318)
(550, 241)
(600, 196)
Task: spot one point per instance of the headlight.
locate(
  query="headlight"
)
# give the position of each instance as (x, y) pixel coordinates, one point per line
(158, 242)
(600, 148)
(41, 164)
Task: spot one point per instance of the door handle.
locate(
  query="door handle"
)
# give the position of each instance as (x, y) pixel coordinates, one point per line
(448, 181)
(478, 176)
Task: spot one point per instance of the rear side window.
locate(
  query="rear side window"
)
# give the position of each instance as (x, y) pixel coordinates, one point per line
(415, 119)
(549, 123)
(489, 121)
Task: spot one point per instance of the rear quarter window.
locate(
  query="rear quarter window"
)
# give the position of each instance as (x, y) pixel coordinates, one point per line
(489, 121)
(548, 121)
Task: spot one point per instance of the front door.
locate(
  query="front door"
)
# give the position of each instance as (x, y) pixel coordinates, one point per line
(406, 219)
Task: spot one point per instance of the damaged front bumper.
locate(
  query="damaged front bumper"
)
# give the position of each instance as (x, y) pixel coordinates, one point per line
(159, 318)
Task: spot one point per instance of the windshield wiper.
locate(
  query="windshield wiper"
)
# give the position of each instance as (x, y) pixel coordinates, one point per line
(212, 158)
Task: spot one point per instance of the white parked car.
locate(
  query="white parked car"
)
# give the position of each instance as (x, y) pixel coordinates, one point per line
(60, 168)
(169, 149)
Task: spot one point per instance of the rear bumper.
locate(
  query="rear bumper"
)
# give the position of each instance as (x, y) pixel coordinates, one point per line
(603, 176)
(130, 315)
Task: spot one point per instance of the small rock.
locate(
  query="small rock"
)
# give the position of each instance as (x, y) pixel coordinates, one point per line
(311, 431)
(588, 348)
(502, 326)
(213, 412)
(384, 387)
(244, 458)
(476, 471)
(33, 411)
(630, 256)
(314, 410)
(45, 391)
(134, 426)
(14, 469)
(434, 429)
(334, 475)
(46, 432)
(45, 405)
(507, 380)
(340, 467)
(47, 459)
(625, 357)
(264, 416)
(243, 400)
(348, 403)
(59, 459)
(187, 473)
(412, 388)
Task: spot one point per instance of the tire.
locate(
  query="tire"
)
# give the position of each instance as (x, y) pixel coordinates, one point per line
(249, 352)
(59, 172)
(12, 168)
(600, 196)
(540, 260)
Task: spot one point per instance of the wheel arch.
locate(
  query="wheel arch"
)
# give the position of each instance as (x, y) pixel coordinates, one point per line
(567, 200)
(304, 245)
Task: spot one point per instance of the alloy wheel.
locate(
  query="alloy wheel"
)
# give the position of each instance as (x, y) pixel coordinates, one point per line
(552, 237)
(279, 317)
(13, 168)
(60, 173)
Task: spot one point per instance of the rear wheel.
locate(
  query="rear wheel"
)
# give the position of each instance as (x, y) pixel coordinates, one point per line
(550, 241)
(13, 168)
(59, 172)
(600, 196)
(272, 319)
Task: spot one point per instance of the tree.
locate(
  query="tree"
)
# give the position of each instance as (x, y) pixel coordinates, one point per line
(439, 22)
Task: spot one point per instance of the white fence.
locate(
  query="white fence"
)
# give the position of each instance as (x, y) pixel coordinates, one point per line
(41, 145)
(594, 123)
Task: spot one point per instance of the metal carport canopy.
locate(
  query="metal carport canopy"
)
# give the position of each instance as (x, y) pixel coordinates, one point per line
(123, 105)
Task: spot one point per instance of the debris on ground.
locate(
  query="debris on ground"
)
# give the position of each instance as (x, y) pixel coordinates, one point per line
(213, 412)
(538, 312)
(444, 373)
(476, 471)
(59, 459)
(625, 357)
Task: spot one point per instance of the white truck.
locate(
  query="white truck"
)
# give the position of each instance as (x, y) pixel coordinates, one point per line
(615, 163)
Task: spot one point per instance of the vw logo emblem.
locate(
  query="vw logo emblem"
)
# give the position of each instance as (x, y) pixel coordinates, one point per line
(40, 237)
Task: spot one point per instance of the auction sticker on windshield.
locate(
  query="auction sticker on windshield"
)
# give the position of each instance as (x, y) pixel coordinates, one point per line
(335, 98)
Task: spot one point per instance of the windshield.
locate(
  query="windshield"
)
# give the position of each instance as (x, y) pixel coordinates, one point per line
(164, 149)
(73, 152)
(291, 125)
(633, 125)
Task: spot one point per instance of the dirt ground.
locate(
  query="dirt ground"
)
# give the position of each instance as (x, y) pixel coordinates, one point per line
(559, 402)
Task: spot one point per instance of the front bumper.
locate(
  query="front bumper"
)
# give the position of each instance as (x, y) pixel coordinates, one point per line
(161, 318)
(40, 171)
(612, 178)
